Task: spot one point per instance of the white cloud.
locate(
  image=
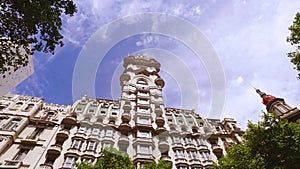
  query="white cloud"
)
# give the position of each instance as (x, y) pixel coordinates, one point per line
(249, 37)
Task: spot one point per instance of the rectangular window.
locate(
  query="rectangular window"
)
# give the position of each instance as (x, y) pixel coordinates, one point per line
(143, 133)
(69, 162)
(144, 149)
(180, 121)
(82, 129)
(91, 146)
(179, 154)
(143, 110)
(192, 154)
(21, 154)
(143, 120)
(176, 139)
(35, 133)
(200, 141)
(143, 101)
(188, 140)
(78, 110)
(49, 116)
(91, 111)
(106, 145)
(181, 167)
(96, 131)
(109, 132)
(76, 144)
(204, 155)
(88, 160)
(13, 124)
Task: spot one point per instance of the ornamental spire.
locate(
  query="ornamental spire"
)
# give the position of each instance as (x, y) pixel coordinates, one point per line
(266, 97)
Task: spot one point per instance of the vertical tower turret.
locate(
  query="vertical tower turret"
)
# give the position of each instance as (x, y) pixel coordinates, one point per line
(142, 105)
(278, 106)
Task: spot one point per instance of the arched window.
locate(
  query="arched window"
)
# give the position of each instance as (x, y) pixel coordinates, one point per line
(17, 105)
(29, 107)
(2, 107)
(86, 119)
(141, 82)
(49, 115)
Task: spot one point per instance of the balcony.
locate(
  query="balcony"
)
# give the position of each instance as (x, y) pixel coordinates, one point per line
(160, 130)
(123, 140)
(143, 105)
(138, 156)
(203, 148)
(180, 160)
(177, 144)
(70, 120)
(166, 158)
(158, 111)
(142, 140)
(127, 107)
(194, 161)
(207, 163)
(124, 77)
(63, 133)
(108, 139)
(126, 117)
(142, 124)
(163, 145)
(217, 150)
(46, 166)
(11, 164)
(145, 89)
(198, 165)
(160, 121)
(190, 146)
(124, 127)
(143, 96)
(29, 141)
(73, 151)
(80, 134)
(55, 149)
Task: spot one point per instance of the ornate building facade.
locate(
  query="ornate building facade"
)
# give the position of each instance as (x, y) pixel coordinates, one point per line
(35, 134)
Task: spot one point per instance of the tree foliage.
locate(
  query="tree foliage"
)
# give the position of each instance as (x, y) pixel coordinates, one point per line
(294, 39)
(110, 158)
(160, 165)
(270, 144)
(27, 26)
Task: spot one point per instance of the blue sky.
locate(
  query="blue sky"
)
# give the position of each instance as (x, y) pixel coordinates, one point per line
(248, 38)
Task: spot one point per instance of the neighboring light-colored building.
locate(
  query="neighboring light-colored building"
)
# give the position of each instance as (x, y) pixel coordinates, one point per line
(34, 134)
(10, 79)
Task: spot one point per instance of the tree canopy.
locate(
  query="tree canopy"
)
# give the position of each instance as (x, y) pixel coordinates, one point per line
(160, 165)
(270, 144)
(294, 39)
(110, 158)
(27, 26)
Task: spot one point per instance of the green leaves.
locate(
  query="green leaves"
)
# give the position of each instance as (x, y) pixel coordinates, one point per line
(28, 26)
(160, 165)
(272, 143)
(294, 39)
(110, 158)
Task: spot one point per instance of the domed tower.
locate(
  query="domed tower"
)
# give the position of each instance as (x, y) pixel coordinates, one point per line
(142, 106)
(278, 106)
